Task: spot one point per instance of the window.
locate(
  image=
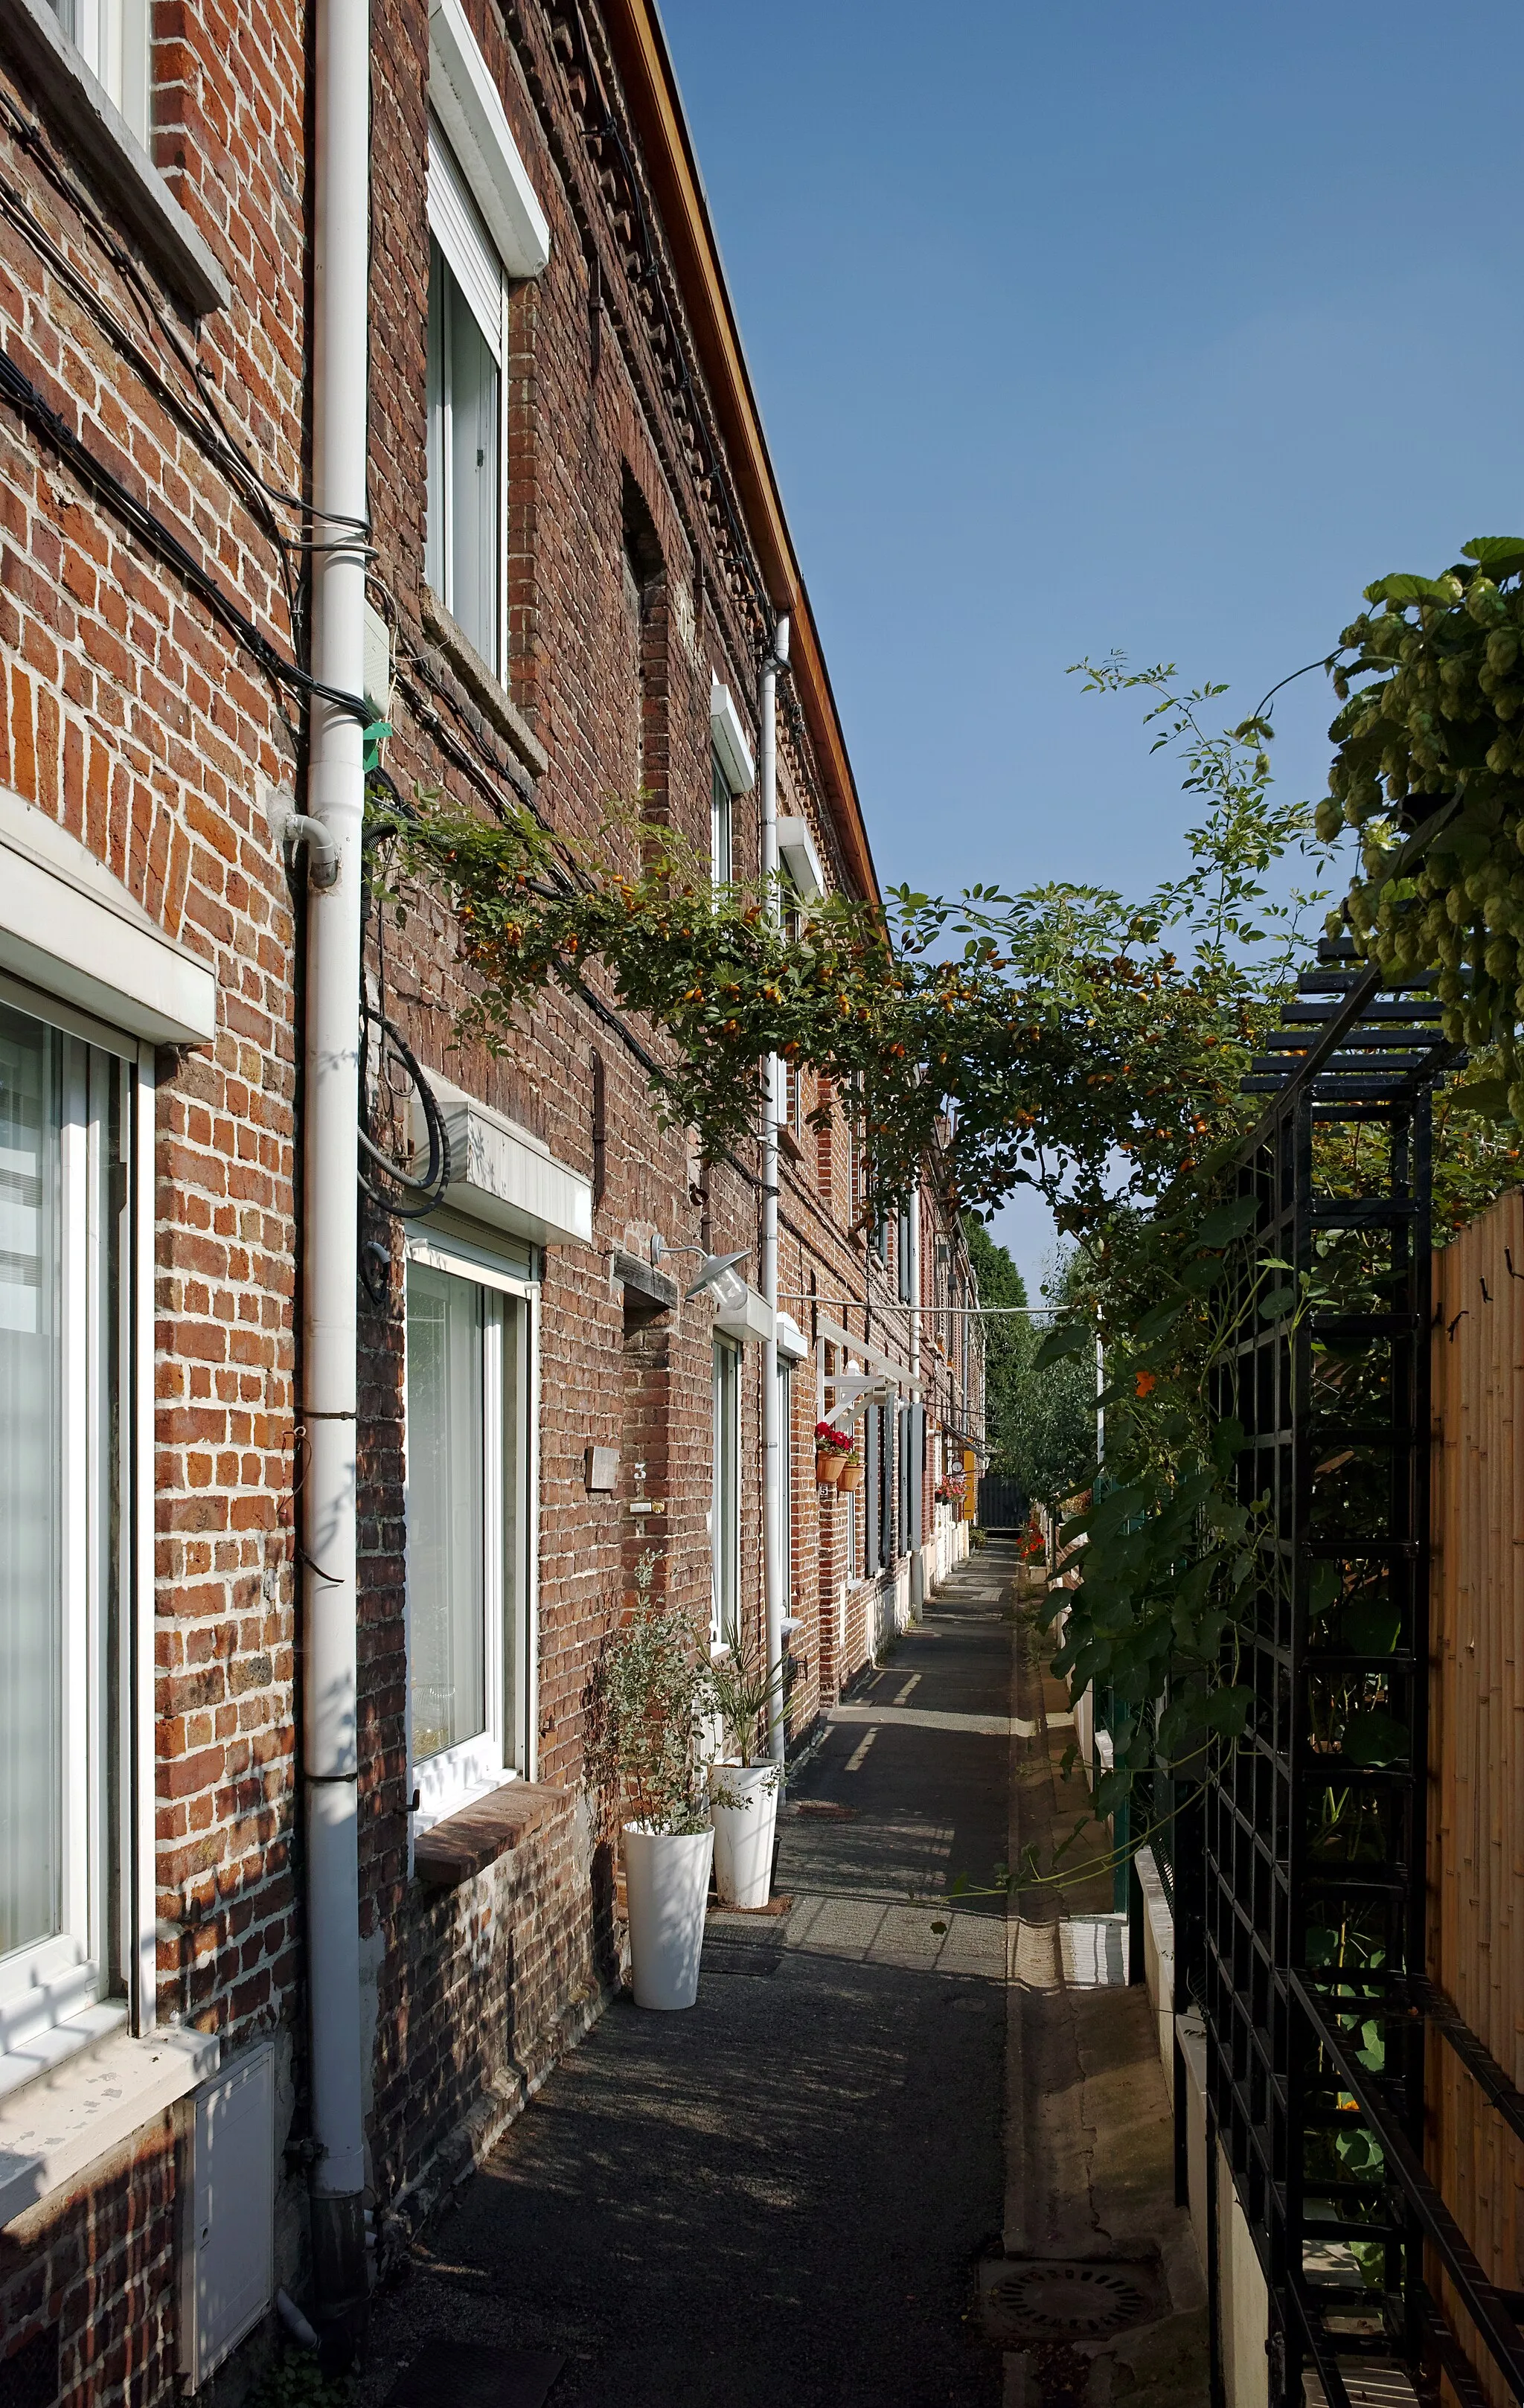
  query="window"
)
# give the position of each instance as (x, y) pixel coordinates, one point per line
(635, 631)
(65, 1118)
(872, 1489)
(786, 1480)
(889, 1428)
(725, 1508)
(902, 1255)
(721, 854)
(464, 547)
(732, 772)
(467, 1443)
(112, 38)
(854, 1565)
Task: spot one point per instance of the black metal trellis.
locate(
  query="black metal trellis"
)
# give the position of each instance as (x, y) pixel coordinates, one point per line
(1309, 1959)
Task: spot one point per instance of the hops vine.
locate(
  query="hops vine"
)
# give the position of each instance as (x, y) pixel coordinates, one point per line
(1429, 767)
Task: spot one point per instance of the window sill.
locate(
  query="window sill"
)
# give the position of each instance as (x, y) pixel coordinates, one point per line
(122, 172)
(43, 2052)
(57, 2126)
(464, 1844)
(491, 697)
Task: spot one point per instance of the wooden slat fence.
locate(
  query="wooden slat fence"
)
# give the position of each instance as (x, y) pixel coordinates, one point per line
(1476, 1736)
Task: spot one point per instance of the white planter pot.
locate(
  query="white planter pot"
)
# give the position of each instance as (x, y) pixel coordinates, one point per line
(743, 1809)
(666, 1888)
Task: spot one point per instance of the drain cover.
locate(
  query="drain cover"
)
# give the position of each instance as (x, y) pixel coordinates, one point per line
(1066, 2298)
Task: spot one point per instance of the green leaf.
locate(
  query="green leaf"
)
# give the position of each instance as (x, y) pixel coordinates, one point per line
(1504, 551)
(1373, 1627)
(1403, 588)
(1488, 1096)
(1069, 1339)
(1112, 1790)
(1227, 1710)
(1375, 1738)
(1201, 1277)
(1360, 2155)
(1159, 1319)
(1277, 1304)
(1230, 1220)
(1324, 1585)
(1227, 1443)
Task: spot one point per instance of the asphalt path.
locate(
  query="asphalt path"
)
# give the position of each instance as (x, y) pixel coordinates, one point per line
(783, 2194)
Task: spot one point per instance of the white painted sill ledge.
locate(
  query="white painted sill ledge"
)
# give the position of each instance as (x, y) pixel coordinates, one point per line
(81, 2107)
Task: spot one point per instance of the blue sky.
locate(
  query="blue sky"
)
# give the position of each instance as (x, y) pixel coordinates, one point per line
(1159, 327)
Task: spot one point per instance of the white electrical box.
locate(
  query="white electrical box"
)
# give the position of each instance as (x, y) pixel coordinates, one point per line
(227, 2230)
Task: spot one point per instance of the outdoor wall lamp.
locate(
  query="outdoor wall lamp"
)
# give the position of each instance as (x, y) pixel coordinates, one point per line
(716, 1271)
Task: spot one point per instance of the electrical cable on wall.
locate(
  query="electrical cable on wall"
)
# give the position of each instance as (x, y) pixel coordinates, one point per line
(402, 1194)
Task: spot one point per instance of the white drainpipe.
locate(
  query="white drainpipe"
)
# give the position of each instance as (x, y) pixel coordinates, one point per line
(330, 1223)
(773, 1538)
(917, 1563)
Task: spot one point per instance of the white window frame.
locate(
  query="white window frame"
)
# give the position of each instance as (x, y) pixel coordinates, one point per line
(725, 1532)
(722, 822)
(732, 774)
(464, 99)
(456, 225)
(445, 1783)
(786, 1478)
(111, 36)
(78, 952)
(59, 1994)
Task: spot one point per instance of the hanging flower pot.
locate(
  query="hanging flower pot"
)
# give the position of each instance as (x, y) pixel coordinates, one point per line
(832, 1448)
(851, 1475)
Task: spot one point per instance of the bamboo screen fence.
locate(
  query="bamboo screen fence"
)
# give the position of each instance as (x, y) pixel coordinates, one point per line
(1476, 1736)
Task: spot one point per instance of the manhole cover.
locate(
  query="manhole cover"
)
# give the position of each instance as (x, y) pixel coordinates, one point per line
(1081, 2299)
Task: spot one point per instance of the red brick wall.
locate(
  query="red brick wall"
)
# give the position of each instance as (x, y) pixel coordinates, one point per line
(96, 2267)
(128, 717)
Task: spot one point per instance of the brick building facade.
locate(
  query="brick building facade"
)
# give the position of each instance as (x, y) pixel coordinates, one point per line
(577, 556)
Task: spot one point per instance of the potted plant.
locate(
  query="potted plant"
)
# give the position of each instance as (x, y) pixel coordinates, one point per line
(743, 1787)
(654, 1692)
(851, 1475)
(832, 1448)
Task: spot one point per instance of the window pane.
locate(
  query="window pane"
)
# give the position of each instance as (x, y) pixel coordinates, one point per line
(725, 1513)
(462, 549)
(439, 487)
(507, 1322)
(473, 479)
(31, 1634)
(786, 1480)
(719, 823)
(445, 1535)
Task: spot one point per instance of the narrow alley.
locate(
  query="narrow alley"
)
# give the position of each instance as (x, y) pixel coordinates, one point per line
(790, 2191)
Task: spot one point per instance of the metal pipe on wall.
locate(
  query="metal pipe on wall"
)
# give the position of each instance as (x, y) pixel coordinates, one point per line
(917, 1449)
(773, 1546)
(330, 1766)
